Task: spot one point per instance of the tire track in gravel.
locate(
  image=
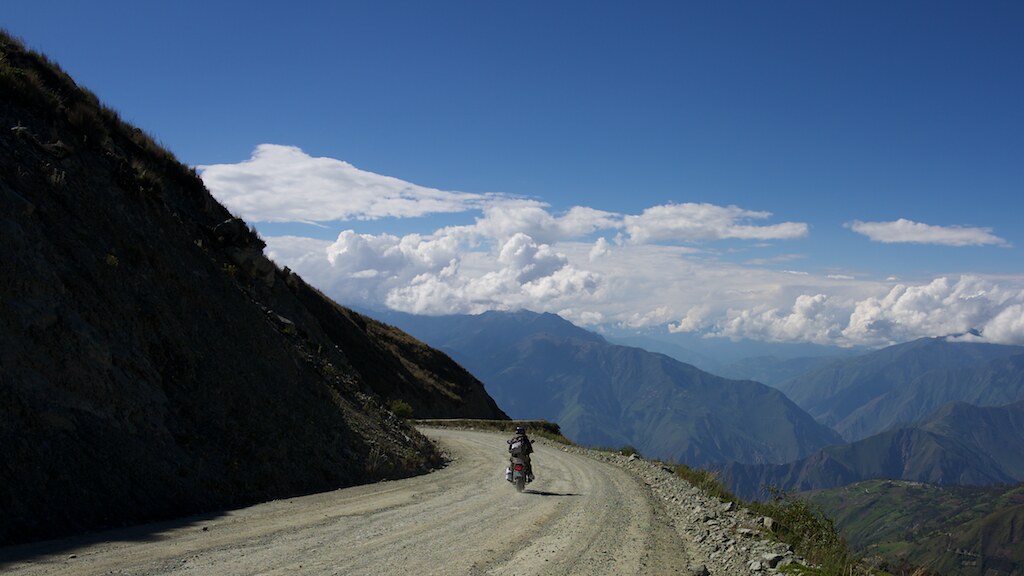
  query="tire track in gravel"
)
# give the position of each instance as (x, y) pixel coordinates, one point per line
(580, 517)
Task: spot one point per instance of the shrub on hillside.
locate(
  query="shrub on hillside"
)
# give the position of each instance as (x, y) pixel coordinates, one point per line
(810, 532)
(707, 481)
(401, 408)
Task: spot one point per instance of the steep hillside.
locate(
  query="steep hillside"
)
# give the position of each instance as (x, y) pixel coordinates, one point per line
(153, 363)
(676, 351)
(958, 444)
(901, 384)
(771, 370)
(539, 366)
(996, 432)
(398, 366)
(950, 529)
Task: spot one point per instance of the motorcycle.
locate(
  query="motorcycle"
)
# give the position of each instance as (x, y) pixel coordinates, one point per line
(519, 471)
(516, 473)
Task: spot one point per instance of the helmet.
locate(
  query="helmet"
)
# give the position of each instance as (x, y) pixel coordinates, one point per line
(520, 430)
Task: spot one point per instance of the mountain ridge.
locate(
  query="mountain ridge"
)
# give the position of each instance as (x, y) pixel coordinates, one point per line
(959, 444)
(544, 367)
(901, 384)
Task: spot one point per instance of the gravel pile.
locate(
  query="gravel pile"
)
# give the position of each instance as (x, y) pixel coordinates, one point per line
(720, 538)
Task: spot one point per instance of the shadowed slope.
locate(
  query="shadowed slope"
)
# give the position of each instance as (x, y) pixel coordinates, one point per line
(153, 363)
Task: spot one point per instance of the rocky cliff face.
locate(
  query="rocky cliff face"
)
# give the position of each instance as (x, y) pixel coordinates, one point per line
(153, 363)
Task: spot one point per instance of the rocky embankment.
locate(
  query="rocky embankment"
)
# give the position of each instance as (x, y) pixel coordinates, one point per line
(722, 538)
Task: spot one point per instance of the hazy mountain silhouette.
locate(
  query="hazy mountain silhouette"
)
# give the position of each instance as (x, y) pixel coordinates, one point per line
(900, 384)
(541, 366)
(771, 370)
(957, 444)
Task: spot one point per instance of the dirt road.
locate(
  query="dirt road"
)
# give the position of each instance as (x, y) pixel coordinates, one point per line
(579, 517)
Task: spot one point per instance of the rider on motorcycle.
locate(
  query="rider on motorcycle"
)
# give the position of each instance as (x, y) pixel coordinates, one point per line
(521, 443)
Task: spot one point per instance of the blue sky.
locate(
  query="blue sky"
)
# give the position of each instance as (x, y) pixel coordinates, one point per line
(839, 173)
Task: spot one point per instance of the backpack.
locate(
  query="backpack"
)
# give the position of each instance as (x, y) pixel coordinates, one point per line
(517, 448)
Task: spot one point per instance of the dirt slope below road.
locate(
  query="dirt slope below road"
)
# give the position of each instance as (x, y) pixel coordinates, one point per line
(580, 517)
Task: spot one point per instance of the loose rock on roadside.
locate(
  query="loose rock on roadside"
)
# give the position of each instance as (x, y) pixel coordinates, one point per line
(721, 538)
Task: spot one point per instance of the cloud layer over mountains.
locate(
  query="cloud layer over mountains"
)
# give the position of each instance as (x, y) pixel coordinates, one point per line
(666, 266)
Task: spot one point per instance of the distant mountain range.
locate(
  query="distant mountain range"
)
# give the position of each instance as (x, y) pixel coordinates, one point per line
(958, 444)
(868, 394)
(539, 366)
(930, 410)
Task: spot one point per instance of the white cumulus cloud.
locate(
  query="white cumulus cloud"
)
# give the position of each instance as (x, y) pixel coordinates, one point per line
(599, 268)
(1007, 326)
(908, 231)
(504, 218)
(942, 307)
(691, 222)
(284, 184)
(812, 318)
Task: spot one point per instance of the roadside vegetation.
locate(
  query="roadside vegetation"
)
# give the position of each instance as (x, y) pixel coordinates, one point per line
(796, 522)
(34, 82)
(539, 428)
(812, 534)
(401, 408)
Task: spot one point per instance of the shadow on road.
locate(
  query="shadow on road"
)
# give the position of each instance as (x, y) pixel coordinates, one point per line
(542, 493)
(151, 532)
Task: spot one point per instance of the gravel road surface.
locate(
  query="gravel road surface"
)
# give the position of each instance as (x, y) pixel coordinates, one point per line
(580, 516)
